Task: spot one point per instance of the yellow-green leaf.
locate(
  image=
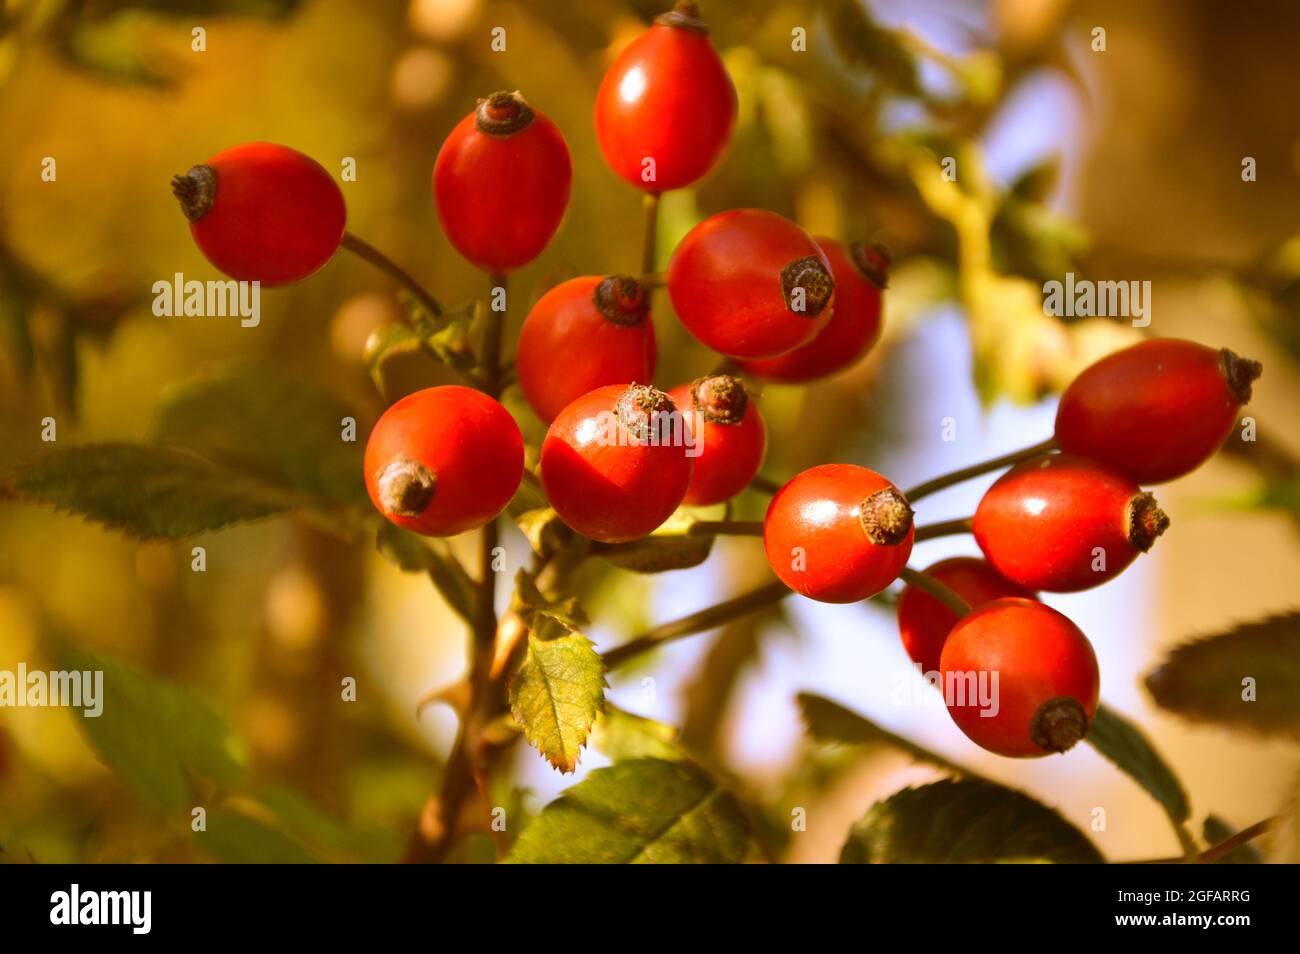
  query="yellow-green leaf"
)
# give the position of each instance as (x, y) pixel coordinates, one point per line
(557, 691)
(622, 736)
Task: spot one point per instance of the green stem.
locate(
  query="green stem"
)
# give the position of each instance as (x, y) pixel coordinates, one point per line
(945, 595)
(364, 250)
(493, 326)
(711, 618)
(650, 205)
(975, 470)
(945, 528)
(764, 485)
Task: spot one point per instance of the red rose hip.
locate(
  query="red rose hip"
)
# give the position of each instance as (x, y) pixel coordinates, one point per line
(1063, 523)
(444, 460)
(501, 183)
(264, 213)
(583, 334)
(838, 533)
(614, 464)
(1020, 679)
(924, 622)
(1155, 410)
(729, 438)
(750, 284)
(854, 325)
(666, 108)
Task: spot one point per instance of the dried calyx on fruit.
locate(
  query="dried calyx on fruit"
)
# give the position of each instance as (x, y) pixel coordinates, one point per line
(838, 533)
(666, 108)
(622, 300)
(751, 284)
(859, 273)
(503, 114)
(728, 436)
(444, 460)
(1156, 410)
(1062, 523)
(263, 212)
(585, 333)
(606, 466)
(501, 183)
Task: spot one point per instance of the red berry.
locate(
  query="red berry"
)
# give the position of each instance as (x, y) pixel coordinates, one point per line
(1062, 523)
(924, 622)
(614, 463)
(667, 98)
(838, 533)
(263, 213)
(502, 182)
(584, 334)
(444, 460)
(1155, 410)
(750, 284)
(729, 437)
(854, 324)
(1047, 683)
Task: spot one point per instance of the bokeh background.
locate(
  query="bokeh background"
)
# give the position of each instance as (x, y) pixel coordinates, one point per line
(1122, 164)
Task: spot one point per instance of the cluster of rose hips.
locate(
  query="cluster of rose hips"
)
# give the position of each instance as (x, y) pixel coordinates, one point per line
(779, 305)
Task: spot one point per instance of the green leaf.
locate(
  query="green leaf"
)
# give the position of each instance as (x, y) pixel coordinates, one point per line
(324, 836)
(864, 43)
(637, 812)
(964, 821)
(547, 534)
(548, 617)
(237, 839)
(558, 690)
(830, 722)
(623, 736)
(671, 547)
(153, 733)
(1122, 743)
(280, 429)
(451, 344)
(1247, 678)
(1216, 830)
(147, 492)
(386, 343)
(412, 553)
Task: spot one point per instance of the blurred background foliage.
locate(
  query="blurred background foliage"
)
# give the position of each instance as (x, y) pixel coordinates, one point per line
(1123, 164)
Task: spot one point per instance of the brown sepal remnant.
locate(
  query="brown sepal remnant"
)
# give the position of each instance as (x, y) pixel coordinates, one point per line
(622, 300)
(720, 398)
(1146, 521)
(639, 408)
(196, 191)
(1239, 373)
(1058, 724)
(886, 517)
(406, 487)
(812, 276)
(503, 114)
